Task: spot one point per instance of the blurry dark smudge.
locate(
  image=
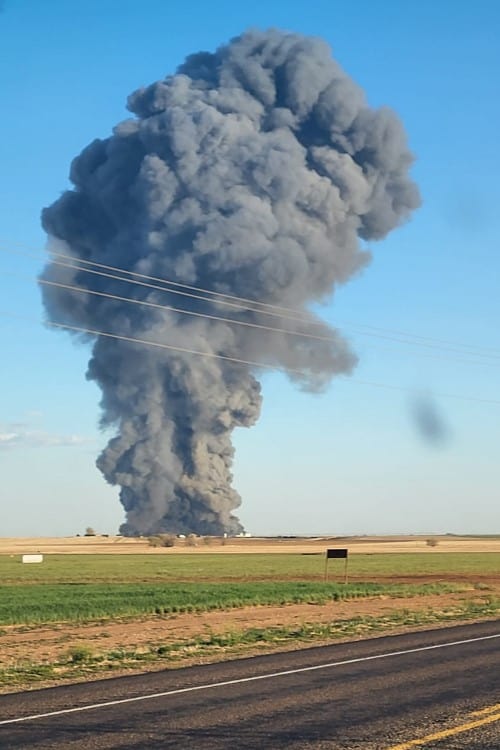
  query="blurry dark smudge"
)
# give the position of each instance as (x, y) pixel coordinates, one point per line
(429, 420)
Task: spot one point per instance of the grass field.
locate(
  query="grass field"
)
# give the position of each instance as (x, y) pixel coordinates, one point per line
(96, 612)
(213, 567)
(35, 603)
(79, 588)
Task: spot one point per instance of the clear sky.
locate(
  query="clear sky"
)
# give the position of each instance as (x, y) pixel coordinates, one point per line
(354, 459)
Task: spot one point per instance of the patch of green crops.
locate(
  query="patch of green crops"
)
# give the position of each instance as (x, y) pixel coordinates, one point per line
(42, 603)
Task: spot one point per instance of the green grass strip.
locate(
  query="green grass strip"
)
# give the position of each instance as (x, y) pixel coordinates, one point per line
(36, 604)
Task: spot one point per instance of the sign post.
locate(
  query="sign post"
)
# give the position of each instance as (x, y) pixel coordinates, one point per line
(339, 553)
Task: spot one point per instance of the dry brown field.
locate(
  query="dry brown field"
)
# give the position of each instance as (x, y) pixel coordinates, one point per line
(262, 545)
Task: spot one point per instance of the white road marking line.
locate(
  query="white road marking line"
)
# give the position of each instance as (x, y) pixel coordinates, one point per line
(241, 680)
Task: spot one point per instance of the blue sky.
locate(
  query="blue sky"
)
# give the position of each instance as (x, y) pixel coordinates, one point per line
(351, 460)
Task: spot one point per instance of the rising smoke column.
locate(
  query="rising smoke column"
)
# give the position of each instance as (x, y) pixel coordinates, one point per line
(253, 171)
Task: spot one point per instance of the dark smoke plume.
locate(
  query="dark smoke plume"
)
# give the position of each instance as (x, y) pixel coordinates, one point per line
(253, 171)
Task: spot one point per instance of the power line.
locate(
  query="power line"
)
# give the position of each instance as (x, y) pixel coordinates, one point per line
(443, 356)
(218, 298)
(182, 311)
(157, 344)
(251, 363)
(331, 339)
(275, 310)
(223, 295)
(255, 325)
(384, 337)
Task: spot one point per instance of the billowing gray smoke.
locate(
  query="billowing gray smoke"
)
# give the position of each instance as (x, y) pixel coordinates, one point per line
(253, 171)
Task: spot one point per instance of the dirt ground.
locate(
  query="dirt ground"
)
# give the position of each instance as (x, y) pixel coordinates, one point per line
(52, 643)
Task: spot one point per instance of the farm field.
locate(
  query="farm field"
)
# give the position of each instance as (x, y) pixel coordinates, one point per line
(253, 545)
(86, 611)
(247, 567)
(85, 602)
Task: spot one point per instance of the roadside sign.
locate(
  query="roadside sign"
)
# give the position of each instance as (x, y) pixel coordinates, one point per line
(339, 553)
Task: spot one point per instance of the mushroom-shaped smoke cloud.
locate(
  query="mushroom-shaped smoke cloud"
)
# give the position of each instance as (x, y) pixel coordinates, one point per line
(254, 171)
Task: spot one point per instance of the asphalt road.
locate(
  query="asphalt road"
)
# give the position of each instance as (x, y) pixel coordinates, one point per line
(434, 689)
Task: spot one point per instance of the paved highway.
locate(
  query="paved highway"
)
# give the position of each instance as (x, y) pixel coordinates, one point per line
(435, 689)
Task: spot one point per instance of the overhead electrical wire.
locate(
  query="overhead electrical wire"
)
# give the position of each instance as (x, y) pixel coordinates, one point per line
(157, 344)
(182, 311)
(75, 265)
(280, 311)
(257, 306)
(218, 298)
(236, 360)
